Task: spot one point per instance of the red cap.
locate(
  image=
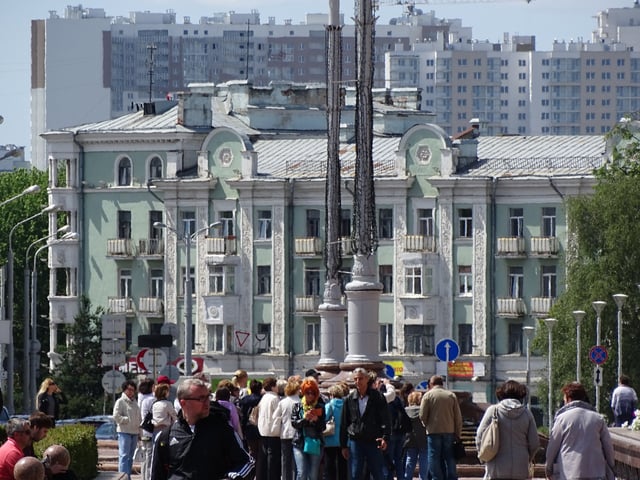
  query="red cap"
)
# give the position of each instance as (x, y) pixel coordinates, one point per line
(164, 379)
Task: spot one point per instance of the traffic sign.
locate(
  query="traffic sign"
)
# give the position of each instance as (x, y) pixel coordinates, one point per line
(112, 381)
(153, 359)
(447, 350)
(598, 354)
(114, 326)
(597, 375)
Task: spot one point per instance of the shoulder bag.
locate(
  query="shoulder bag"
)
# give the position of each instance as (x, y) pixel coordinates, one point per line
(490, 443)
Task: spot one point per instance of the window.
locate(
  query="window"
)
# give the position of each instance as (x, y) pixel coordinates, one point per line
(515, 338)
(345, 222)
(192, 279)
(226, 219)
(263, 337)
(549, 281)
(427, 281)
(221, 279)
(264, 280)
(312, 282)
(516, 282)
(425, 222)
(124, 284)
(313, 223)
(465, 338)
(516, 222)
(413, 280)
(188, 219)
(386, 338)
(465, 280)
(264, 224)
(419, 339)
(465, 222)
(155, 168)
(124, 172)
(386, 278)
(124, 224)
(155, 216)
(385, 223)
(548, 222)
(157, 283)
(215, 338)
(312, 337)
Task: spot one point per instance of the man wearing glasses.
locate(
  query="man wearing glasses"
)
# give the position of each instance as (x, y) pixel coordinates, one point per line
(367, 423)
(19, 436)
(126, 414)
(200, 444)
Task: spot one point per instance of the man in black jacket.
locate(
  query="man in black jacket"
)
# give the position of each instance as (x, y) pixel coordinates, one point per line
(366, 427)
(200, 444)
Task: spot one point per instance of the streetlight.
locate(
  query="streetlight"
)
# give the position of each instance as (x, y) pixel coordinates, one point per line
(34, 343)
(187, 238)
(10, 293)
(26, 191)
(578, 315)
(620, 299)
(528, 335)
(27, 305)
(551, 322)
(598, 306)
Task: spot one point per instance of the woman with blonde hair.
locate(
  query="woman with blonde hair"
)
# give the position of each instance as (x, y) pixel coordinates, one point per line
(49, 398)
(416, 441)
(164, 414)
(308, 418)
(240, 379)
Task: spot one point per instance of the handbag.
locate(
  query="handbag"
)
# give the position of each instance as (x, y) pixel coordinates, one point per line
(330, 429)
(490, 442)
(147, 423)
(312, 445)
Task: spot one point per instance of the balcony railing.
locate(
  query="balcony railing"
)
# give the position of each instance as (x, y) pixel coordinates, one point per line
(221, 245)
(544, 246)
(512, 246)
(120, 247)
(541, 305)
(150, 305)
(308, 246)
(345, 246)
(120, 305)
(307, 303)
(419, 243)
(511, 307)
(150, 246)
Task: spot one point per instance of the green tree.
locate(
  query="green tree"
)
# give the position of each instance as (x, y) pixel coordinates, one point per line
(79, 374)
(12, 184)
(603, 259)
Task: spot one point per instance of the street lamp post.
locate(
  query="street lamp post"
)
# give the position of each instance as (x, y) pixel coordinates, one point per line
(26, 191)
(528, 335)
(598, 306)
(620, 299)
(551, 322)
(187, 238)
(578, 315)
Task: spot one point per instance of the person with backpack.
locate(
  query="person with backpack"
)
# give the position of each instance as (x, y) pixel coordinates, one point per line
(415, 444)
(400, 427)
(145, 401)
(248, 406)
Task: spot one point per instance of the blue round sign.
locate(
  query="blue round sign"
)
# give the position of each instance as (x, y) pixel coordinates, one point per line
(447, 350)
(598, 354)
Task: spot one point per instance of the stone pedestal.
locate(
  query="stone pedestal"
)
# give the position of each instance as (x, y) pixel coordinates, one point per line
(332, 313)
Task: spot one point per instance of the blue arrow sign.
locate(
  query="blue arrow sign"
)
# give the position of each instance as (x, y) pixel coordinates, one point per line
(447, 350)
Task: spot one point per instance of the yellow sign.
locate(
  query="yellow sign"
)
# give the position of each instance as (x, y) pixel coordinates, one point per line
(394, 368)
(460, 370)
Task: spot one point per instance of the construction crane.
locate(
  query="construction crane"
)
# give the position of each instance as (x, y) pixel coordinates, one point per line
(409, 5)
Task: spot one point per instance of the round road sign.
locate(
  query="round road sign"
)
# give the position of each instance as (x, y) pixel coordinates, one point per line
(112, 381)
(447, 350)
(153, 358)
(598, 354)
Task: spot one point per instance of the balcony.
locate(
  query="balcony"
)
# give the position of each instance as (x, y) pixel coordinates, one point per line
(419, 243)
(541, 305)
(308, 246)
(544, 246)
(345, 246)
(511, 247)
(307, 304)
(150, 306)
(120, 305)
(221, 245)
(511, 307)
(63, 309)
(119, 247)
(150, 247)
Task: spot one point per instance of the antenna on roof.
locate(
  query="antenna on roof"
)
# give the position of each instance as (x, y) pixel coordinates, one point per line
(151, 48)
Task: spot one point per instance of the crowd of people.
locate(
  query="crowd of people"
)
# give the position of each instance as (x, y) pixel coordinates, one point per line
(289, 429)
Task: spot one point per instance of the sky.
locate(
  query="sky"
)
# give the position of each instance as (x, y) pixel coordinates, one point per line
(490, 19)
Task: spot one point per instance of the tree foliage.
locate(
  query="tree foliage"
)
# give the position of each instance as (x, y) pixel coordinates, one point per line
(603, 259)
(79, 374)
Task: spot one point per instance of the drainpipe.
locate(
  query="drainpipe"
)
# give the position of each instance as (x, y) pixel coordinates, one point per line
(492, 287)
(288, 240)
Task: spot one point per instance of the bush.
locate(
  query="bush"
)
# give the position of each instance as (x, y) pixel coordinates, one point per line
(81, 442)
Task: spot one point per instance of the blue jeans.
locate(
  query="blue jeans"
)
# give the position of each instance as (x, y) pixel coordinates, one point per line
(127, 443)
(417, 456)
(307, 465)
(442, 463)
(394, 453)
(359, 452)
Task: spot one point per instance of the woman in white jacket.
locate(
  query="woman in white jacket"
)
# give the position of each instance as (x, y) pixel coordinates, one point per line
(164, 414)
(282, 416)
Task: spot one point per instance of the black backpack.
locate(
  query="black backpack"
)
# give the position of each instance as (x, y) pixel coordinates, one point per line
(400, 421)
